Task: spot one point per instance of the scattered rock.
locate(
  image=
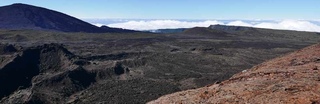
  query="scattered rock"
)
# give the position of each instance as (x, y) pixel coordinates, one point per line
(262, 83)
(7, 48)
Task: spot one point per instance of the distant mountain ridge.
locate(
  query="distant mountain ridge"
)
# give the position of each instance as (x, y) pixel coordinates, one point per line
(230, 28)
(212, 28)
(24, 16)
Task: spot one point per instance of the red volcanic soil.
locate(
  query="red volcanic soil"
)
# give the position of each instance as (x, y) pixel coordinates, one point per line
(291, 79)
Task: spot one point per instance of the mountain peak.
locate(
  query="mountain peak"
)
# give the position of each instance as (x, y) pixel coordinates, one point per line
(20, 4)
(24, 16)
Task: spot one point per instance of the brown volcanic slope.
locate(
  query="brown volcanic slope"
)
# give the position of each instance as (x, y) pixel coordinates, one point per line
(293, 78)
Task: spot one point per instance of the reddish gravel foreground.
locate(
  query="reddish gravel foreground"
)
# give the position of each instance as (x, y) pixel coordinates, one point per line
(291, 79)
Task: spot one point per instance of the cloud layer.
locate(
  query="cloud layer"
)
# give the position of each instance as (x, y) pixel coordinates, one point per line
(291, 25)
(162, 24)
(298, 25)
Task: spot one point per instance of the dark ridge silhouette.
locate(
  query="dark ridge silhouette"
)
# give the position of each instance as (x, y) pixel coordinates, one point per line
(205, 31)
(230, 29)
(170, 31)
(23, 16)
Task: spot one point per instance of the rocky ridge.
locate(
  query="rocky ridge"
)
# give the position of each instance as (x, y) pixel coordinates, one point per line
(37, 71)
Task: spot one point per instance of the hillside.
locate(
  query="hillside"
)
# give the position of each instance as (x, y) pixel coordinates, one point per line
(130, 67)
(293, 78)
(23, 16)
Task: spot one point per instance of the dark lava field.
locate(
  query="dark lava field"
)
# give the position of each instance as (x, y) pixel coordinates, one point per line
(58, 67)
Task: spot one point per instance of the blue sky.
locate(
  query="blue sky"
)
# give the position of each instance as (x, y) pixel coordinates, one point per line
(182, 9)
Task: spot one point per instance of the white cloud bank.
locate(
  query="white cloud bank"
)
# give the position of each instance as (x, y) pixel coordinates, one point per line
(239, 23)
(298, 25)
(162, 24)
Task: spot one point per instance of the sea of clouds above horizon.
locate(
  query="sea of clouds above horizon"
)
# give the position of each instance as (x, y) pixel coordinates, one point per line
(298, 25)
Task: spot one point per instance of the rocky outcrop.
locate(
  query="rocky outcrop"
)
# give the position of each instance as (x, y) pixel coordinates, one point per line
(26, 67)
(37, 68)
(7, 52)
(293, 78)
(7, 48)
(50, 73)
